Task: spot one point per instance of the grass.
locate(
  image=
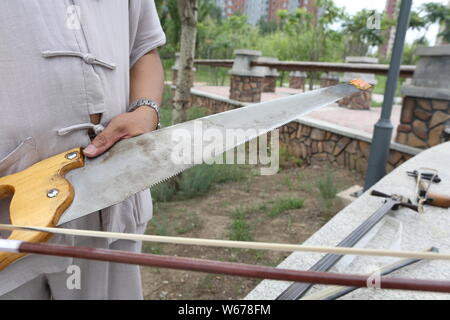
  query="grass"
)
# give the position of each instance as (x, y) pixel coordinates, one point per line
(376, 104)
(192, 113)
(380, 88)
(206, 283)
(196, 113)
(166, 108)
(327, 187)
(160, 225)
(212, 76)
(240, 229)
(196, 181)
(193, 223)
(287, 160)
(163, 192)
(288, 183)
(328, 190)
(199, 180)
(276, 207)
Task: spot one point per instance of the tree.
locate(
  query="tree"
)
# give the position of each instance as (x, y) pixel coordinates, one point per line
(429, 14)
(312, 37)
(171, 23)
(188, 17)
(360, 36)
(439, 13)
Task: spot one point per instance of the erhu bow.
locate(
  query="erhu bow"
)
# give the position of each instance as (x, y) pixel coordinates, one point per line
(226, 268)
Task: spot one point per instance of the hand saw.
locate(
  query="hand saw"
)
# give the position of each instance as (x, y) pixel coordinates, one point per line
(67, 186)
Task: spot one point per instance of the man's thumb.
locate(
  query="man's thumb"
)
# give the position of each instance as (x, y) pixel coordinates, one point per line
(101, 143)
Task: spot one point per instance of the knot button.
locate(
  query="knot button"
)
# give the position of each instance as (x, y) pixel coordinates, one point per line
(89, 58)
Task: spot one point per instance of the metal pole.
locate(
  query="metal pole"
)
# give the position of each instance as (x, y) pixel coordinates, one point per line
(382, 136)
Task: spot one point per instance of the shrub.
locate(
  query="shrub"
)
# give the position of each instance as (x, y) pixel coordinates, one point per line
(163, 192)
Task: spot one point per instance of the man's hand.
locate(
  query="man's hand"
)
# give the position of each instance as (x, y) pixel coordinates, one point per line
(146, 81)
(124, 126)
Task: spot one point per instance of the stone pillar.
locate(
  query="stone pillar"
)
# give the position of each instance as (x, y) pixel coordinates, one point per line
(425, 119)
(175, 69)
(271, 75)
(363, 100)
(329, 79)
(297, 80)
(246, 81)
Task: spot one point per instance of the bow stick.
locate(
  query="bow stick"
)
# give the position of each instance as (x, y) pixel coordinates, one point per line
(226, 268)
(235, 244)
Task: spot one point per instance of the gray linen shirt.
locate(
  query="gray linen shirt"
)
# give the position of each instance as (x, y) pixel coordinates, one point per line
(61, 61)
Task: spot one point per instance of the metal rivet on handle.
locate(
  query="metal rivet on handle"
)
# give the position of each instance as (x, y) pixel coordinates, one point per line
(72, 155)
(52, 193)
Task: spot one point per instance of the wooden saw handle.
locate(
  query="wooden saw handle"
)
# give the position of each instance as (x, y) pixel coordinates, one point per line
(40, 195)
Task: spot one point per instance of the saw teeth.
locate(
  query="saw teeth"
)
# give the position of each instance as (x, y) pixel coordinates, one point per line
(170, 177)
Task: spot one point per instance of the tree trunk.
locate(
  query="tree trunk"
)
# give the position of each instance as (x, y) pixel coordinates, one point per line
(188, 15)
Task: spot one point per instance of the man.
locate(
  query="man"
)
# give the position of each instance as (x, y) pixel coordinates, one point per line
(77, 73)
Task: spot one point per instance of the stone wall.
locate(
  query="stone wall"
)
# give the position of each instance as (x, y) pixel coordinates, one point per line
(425, 119)
(213, 105)
(297, 83)
(318, 145)
(269, 84)
(328, 82)
(246, 89)
(358, 101)
(423, 122)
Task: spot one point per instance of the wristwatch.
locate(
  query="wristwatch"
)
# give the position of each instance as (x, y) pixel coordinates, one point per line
(148, 103)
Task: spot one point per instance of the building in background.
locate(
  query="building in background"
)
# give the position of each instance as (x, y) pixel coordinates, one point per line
(310, 6)
(255, 10)
(274, 6)
(232, 7)
(391, 11)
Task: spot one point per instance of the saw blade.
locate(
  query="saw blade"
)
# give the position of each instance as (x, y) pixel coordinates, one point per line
(136, 164)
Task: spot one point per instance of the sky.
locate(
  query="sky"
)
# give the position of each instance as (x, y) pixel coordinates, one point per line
(353, 6)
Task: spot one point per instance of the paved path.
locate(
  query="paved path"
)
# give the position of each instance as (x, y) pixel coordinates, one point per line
(355, 119)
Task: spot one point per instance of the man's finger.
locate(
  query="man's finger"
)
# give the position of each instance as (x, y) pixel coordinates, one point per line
(103, 141)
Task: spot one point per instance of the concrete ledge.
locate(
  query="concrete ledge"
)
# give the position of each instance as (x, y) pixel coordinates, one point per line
(353, 134)
(234, 103)
(422, 92)
(247, 52)
(242, 64)
(433, 51)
